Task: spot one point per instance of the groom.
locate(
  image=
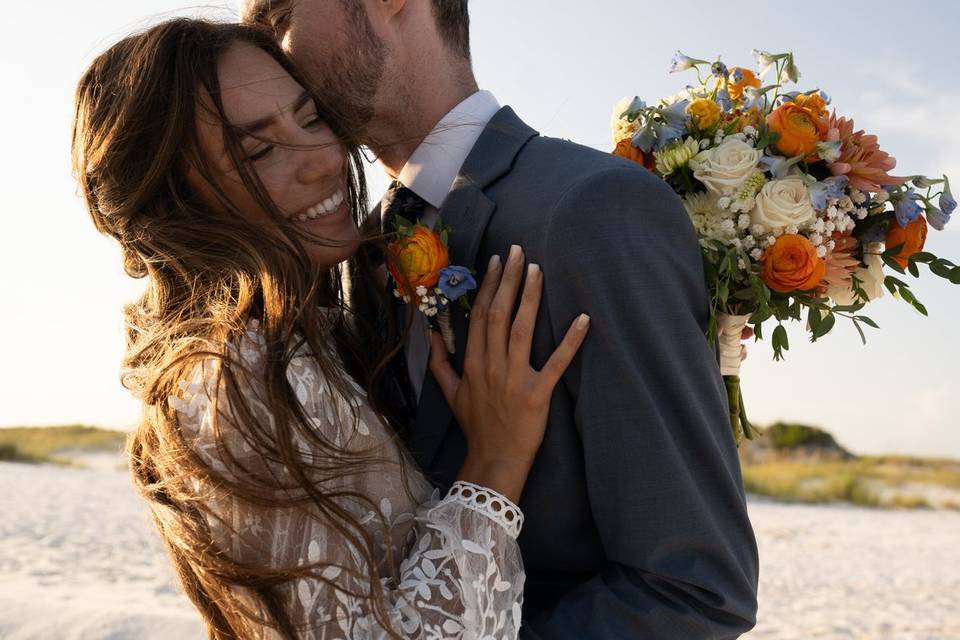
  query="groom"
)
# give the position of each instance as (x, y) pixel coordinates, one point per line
(636, 524)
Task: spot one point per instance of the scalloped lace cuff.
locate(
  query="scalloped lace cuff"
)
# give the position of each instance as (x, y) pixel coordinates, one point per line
(488, 502)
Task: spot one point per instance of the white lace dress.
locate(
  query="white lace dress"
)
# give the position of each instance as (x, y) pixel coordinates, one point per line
(460, 573)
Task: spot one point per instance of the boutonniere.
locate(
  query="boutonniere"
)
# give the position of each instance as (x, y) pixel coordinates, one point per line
(422, 274)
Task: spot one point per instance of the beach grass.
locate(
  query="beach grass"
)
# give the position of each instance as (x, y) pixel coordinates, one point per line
(882, 481)
(51, 444)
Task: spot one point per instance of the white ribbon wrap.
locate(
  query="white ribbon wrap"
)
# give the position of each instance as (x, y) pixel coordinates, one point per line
(729, 329)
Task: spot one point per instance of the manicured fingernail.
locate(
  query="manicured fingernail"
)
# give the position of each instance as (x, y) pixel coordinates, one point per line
(583, 321)
(494, 262)
(514, 252)
(533, 270)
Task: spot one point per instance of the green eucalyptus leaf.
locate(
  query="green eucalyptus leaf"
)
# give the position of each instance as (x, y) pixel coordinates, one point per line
(938, 268)
(893, 264)
(892, 251)
(863, 337)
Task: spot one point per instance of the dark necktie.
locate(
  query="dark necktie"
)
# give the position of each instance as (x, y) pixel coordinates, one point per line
(399, 201)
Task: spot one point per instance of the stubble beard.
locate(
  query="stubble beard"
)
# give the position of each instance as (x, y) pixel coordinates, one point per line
(351, 77)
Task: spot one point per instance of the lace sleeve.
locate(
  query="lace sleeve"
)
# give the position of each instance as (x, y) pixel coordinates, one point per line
(459, 576)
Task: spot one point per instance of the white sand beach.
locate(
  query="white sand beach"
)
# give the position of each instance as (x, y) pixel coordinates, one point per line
(79, 560)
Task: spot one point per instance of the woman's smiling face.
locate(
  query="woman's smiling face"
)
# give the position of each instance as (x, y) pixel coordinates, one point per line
(298, 159)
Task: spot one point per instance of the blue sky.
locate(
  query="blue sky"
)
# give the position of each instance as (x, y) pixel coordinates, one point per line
(561, 64)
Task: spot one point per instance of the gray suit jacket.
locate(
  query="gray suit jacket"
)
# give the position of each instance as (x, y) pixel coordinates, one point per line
(636, 523)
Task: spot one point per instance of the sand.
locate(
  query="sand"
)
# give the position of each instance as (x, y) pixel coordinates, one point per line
(79, 559)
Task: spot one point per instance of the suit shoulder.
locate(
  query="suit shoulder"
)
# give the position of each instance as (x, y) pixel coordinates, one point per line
(576, 164)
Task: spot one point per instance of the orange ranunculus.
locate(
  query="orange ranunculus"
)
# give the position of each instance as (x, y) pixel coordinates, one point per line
(705, 113)
(792, 264)
(798, 127)
(625, 149)
(912, 238)
(421, 256)
(814, 103)
(747, 79)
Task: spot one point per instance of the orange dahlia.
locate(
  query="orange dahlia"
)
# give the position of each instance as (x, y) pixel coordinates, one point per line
(840, 264)
(861, 158)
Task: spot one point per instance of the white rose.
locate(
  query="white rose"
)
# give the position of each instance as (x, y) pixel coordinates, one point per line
(723, 169)
(871, 278)
(782, 203)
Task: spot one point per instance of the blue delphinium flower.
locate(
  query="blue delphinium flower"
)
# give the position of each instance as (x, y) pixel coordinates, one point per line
(681, 62)
(778, 165)
(947, 202)
(455, 282)
(907, 209)
(676, 114)
(937, 218)
(634, 108)
(820, 192)
(719, 69)
(723, 99)
(645, 138)
(667, 133)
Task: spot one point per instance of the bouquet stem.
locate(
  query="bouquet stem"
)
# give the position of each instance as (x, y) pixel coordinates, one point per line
(729, 328)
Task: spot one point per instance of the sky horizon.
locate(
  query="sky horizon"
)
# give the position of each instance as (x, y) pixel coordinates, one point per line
(562, 66)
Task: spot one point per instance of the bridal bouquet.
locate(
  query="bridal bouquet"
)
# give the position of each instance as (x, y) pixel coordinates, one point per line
(796, 211)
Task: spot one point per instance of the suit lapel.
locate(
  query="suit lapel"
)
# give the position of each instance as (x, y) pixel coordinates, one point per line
(467, 212)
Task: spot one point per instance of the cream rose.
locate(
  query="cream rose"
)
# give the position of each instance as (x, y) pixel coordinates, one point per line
(723, 169)
(871, 277)
(782, 203)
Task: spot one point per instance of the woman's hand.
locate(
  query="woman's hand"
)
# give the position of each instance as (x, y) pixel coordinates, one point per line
(501, 402)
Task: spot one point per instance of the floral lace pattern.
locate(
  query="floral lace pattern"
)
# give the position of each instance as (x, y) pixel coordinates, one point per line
(460, 575)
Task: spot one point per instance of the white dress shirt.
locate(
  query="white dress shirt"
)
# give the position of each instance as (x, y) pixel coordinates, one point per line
(430, 173)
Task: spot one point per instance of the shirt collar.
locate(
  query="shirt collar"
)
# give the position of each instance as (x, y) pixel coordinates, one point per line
(434, 164)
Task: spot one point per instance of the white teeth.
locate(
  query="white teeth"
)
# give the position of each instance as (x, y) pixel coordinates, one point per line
(324, 208)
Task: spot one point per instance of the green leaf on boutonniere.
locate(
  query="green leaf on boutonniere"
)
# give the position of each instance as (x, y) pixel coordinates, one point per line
(404, 226)
(445, 238)
(955, 275)
(867, 321)
(923, 256)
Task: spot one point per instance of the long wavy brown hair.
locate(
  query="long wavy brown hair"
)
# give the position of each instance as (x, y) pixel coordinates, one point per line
(209, 270)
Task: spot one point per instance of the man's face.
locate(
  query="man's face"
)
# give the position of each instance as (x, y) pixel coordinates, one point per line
(335, 47)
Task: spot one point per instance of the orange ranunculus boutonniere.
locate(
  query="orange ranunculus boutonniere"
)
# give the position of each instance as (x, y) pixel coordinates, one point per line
(420, 256)
(420, 268)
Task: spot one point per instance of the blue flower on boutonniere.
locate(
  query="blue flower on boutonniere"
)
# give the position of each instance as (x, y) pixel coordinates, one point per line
(455, 282)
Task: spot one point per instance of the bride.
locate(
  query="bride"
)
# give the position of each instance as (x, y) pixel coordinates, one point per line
(287, 504)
